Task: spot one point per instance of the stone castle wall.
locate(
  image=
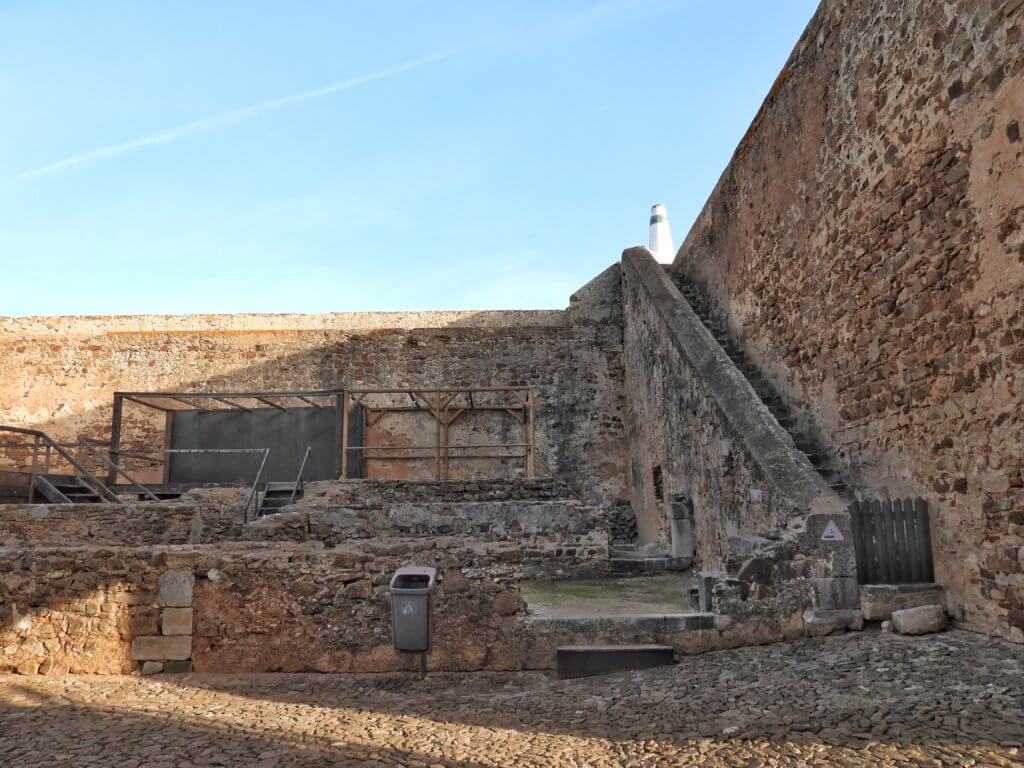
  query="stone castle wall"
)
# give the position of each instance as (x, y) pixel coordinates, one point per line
(867, 244)
(58, 374)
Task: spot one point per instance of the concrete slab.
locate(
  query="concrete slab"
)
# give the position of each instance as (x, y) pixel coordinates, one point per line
(665, 594)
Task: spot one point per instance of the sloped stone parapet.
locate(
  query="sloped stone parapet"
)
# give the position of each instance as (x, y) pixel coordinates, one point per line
(698, 429)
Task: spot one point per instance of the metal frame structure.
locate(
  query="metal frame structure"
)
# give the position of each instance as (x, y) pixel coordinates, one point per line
(446, 404)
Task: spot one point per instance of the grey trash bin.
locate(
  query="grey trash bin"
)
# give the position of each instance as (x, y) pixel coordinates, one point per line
(412, 590)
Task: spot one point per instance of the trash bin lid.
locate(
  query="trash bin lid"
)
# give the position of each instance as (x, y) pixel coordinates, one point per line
(415, 577)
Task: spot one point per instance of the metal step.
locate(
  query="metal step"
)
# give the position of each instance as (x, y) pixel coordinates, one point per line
(60, 489)
(277, 495)
(586, 660)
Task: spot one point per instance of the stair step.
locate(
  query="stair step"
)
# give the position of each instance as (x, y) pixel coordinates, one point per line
(280, 486)
(586, 660)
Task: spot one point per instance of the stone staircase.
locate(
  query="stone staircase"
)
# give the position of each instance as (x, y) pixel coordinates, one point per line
(823, 459)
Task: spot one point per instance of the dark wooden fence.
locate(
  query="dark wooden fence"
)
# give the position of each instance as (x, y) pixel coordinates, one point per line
(892, 540)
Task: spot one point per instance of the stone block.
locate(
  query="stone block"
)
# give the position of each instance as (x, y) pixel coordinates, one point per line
(174, 589)
(152, 667)
(837, 593)
(682, 537)
(162, 648)
(922, 620)
(505, 604)
(706, 581)
(820, 623)
(176, 621)
(177, 667)
(878, 601)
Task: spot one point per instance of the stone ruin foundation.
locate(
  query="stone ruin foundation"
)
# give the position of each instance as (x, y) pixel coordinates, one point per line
(843, 322)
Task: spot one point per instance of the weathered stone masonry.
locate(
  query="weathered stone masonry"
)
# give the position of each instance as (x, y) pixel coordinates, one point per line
(696, 426)
(58, 374)
(867, 244)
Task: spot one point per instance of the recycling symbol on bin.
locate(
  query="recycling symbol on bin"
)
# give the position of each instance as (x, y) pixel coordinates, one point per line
(408, 609)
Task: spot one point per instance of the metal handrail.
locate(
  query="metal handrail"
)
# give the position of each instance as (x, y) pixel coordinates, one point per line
(83, 473)
(302, 469)
(255, 485)
(86, 443)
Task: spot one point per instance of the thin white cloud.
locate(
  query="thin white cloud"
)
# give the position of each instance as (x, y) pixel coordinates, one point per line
(211, 122)
(589, 16)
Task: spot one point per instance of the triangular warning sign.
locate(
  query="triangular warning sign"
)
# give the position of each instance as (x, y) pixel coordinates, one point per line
(832, 532)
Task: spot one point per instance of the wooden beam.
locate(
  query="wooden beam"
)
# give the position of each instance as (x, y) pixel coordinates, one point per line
(188, 402)
(345, 406)
(531, 451)
(115, 439)
(232, 403)
(154, 406)
(271, 404)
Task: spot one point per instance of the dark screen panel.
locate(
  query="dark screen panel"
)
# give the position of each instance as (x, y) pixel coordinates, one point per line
(286, 433)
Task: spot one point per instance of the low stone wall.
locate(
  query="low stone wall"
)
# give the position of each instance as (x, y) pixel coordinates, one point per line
(332, 512)
(503, 520)
(264, 608)
(201, 518)
(283, 607)
(360, 494)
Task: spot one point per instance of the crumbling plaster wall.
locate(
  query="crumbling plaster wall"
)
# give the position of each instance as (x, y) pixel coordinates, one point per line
(867, 244)
(58, 374)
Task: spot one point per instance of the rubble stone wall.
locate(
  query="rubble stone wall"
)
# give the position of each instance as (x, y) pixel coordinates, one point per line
(58, 374)
(272, 607)
(867, 244)
(334, 512)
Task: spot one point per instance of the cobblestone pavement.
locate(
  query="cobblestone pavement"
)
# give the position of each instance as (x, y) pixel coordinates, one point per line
(858, 699)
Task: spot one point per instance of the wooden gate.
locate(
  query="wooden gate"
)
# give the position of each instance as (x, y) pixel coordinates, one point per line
(892, 540)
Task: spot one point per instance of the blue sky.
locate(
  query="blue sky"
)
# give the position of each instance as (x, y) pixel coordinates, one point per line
(341, 156)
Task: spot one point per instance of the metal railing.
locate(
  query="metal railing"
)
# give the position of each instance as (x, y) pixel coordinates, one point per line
(252, 495)
(41, 439)
(149, 456)
(90, 447)
(255, 485)
(298, 481)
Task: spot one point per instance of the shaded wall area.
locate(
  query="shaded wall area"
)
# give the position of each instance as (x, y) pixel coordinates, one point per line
(701, 443)
(58, 374)
(867, 244)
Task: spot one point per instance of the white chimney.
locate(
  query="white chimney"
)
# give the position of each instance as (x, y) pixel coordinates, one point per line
(661, 235)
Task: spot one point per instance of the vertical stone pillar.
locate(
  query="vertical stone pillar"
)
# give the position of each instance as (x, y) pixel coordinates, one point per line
(171, 650)
(682, 527)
